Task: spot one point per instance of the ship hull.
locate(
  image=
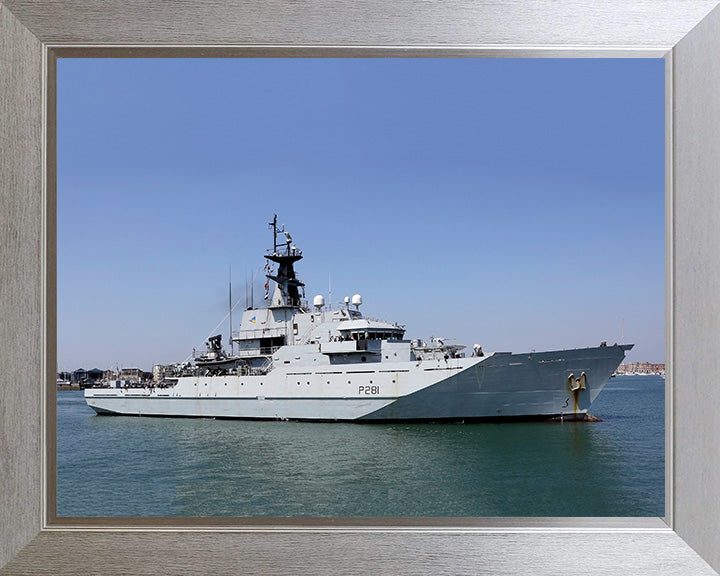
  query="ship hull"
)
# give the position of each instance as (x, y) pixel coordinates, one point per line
(546, 385)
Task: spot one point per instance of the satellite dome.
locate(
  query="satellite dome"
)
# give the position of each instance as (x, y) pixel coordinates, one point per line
(356, 300)
(319, 301)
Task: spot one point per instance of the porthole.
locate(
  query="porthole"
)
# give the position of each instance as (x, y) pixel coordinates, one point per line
(363, 359)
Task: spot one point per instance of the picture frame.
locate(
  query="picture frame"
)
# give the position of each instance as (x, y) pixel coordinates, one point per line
(686, 34)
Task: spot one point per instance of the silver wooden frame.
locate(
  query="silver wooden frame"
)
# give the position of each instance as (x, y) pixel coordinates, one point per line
(32, 35)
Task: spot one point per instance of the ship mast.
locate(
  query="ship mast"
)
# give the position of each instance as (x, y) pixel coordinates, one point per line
(230, 307)
(288, 287)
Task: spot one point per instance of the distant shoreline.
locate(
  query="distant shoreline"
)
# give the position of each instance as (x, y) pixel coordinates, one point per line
(640, 369)
(63, 387)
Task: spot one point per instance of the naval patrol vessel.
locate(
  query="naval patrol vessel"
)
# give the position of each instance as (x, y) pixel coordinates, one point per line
(293, 361)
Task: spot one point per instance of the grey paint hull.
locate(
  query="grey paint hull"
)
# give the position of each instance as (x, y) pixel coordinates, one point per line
(513, 386)
(500, 386)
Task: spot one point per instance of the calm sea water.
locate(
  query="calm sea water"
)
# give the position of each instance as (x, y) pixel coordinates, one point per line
(125, 466)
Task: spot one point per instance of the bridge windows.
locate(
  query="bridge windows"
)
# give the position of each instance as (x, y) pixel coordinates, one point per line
(374, 335)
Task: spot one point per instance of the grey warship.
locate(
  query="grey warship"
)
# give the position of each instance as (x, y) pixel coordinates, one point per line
(292, 361)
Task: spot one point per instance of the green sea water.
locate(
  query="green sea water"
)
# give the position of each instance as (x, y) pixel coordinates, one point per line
(127, 466)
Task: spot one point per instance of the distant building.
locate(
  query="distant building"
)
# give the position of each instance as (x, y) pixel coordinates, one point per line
(85, 378)
(78, 376)
(82, 377)
(131, 374)
(95, 374)
(640, 368)
(135, 375)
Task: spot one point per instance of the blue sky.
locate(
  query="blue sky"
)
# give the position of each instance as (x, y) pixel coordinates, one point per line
(518, 204)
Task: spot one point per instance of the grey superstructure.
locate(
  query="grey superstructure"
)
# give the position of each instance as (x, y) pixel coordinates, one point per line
(293, 361)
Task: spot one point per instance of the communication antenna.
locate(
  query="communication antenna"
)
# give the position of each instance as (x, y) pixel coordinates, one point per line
(230, 306)
(273, 225)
